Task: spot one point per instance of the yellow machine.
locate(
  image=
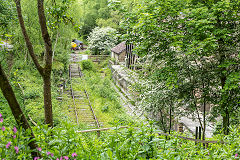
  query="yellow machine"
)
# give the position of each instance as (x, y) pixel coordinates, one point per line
(74, 45)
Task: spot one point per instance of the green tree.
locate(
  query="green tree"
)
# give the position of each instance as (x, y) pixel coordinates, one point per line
(8, 16)
(192, 49)
(16, 110)
(101, 40)
(214, 35)
(95, 12)
(45, 71)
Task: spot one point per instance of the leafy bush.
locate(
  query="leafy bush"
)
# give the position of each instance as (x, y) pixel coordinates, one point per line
(143, 142)
(105, 108)
(86, 52)
(32, 94)
(87, 65)
(101, 40)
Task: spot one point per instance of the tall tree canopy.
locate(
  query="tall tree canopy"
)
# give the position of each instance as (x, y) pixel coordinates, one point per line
(192, 50)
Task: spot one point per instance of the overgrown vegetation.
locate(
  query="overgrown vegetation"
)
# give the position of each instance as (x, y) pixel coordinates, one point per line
(132, 143)
(87, 65)
(189, 60)
(104, 98)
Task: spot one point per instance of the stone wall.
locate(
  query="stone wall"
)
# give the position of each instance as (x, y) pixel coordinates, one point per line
(120, 78)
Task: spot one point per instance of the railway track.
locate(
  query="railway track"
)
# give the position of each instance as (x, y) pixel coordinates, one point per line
(82, 107)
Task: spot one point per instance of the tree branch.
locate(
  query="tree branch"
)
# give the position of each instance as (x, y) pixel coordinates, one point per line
(54, 49)
(16, 109)
(26, 37)
(45, 35)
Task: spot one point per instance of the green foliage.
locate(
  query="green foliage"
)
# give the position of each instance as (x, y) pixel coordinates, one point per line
(105, 108)
(142, 142)
(58, 11)
(189, 50)
(87, 65)
(26, 82)
(14, 145)
(101, 40)
(92, 11)
(32, 94)
(104, 98)
(7, 16)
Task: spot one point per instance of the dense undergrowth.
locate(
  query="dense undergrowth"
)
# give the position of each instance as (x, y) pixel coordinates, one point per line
(63, 141)
(104, 99)
(27, 85)
(136, 142)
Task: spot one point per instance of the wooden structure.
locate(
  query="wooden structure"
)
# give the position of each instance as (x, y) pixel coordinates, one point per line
(131, 58)
(119, 52)
(196, 140)
(98, 58)
(123, 52)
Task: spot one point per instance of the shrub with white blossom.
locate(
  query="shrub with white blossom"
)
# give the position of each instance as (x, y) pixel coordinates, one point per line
(101, 40)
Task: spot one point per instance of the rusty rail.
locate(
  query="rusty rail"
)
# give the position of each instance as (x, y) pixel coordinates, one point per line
(94, 116)
(72, 94)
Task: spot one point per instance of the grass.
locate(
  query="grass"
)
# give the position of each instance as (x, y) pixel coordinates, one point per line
(103, 98)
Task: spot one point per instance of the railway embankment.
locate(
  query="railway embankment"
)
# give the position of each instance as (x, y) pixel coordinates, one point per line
(90, 99)
(124, 79)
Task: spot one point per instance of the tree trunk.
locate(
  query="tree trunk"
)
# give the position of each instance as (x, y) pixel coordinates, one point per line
(46, 71)
(162, 121)
(204, 120)
(170, 119)
(48, 65)
(204, 113)
(224, 107)
(226, 122)
(48, 100)
(223, 77)
(16, 109)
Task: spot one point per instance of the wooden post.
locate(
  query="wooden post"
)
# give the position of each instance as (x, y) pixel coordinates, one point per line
(64, 84)
(200, 133)
(98, 133)
(196, 135)
(180, 127)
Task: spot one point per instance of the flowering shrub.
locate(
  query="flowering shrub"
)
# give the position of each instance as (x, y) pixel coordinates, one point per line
(102, 40)
(63, 143)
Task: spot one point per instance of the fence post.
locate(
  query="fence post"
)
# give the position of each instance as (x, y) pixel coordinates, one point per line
(98, 134)
(200, 132)
(196, 135)
(180, 127)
